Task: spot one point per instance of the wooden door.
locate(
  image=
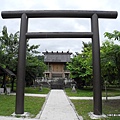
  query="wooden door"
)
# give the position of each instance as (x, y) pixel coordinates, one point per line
(57, 67)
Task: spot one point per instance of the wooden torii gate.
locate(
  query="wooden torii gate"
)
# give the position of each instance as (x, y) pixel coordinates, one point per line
(94, 34)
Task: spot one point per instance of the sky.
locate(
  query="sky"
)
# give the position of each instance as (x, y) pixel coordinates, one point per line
(61, 24)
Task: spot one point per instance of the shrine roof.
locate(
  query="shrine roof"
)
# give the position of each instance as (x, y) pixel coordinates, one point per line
(6, 71)
(57, 56)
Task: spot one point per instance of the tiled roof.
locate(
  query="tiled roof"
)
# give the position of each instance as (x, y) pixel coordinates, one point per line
(57, 56)
(6, 71)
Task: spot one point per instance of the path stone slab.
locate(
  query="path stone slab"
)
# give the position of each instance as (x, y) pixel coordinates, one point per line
(58, 107)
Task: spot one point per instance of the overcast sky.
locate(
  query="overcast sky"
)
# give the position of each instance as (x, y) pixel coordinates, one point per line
(61, 24)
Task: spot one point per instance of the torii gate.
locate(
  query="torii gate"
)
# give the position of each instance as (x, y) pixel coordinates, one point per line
(94, 34)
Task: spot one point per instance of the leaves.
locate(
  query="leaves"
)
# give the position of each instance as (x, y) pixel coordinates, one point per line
(110, 58)
(81, 64)
(9, 44)
(115, 35)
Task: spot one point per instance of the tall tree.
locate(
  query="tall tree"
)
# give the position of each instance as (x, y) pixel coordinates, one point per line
(113, 36)
(81, 66)
(108, 64)
(9, 48)
(9, 54)
(115, 51)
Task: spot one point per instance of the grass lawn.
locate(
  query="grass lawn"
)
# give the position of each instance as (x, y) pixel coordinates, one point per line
(32, 105)
(37, 90)
(83, 107)
(89, 92)
(79, 93)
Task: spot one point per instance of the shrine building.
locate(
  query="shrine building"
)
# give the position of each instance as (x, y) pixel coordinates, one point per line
(56, 64)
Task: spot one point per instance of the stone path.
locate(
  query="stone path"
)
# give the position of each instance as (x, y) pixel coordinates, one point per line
(58, 107)
(91, 98)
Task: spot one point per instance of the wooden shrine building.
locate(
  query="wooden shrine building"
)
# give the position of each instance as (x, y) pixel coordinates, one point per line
(56, 64)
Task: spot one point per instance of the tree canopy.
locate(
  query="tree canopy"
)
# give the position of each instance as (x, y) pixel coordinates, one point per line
(81, 64)
(9, 44)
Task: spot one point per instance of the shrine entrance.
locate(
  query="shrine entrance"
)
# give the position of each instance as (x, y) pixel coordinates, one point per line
(94, 35)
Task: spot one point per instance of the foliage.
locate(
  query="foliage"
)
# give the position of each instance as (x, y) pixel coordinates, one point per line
(81, 66)
(34, 68)
(115, 35)
(112, 56)
(110, 62)
(9, 49)
(9, 44)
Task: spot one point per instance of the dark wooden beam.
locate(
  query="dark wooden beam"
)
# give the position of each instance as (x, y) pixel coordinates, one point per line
(59, 13)
(59, 35)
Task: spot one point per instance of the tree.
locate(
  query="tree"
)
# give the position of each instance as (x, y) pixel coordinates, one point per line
(115, 52)
(34, 68)
(81, 66)
(113, 36)
(9, 49)
(9, 54)
(108, 64)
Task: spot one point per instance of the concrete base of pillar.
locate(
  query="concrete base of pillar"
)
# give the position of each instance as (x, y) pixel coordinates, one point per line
(26, 114)
(93, 116)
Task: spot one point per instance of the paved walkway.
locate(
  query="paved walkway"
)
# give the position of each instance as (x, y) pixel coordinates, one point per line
(91, 98)
(72, 98)
(58, 107)
(33, 95)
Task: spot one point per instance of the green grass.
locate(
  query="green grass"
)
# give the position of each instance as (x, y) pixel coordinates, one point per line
(32, 105)
(89, 92)
(37, 90)
(112, 92)
(83, 107)
(79, 93)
